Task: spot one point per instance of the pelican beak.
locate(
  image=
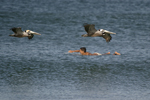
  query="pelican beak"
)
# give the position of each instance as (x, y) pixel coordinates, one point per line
(32, 32)
(108, 32)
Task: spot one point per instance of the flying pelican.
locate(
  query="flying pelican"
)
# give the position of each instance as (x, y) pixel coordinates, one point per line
(19, 33)
(92, 32)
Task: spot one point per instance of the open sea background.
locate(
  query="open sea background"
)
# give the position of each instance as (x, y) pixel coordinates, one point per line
(41, 68)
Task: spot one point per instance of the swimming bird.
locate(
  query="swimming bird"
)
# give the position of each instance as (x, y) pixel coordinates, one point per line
(92, 32)
(19, 33)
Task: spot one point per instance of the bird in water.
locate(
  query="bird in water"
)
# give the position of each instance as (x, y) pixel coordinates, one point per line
(19, 33)
(92, 32)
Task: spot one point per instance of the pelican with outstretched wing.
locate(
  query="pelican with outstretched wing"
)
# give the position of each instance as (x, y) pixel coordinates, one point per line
(19, 33)
(92, 32)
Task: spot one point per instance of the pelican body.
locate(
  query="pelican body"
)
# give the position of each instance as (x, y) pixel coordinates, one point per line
(92, 32)
(19, 33)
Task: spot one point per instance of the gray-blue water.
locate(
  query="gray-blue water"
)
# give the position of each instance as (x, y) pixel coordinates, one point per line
(41, 69)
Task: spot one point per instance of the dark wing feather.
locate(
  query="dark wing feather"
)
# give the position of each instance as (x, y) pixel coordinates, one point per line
(107, 37)
(30, 37)
(90, 29)
(16, 30)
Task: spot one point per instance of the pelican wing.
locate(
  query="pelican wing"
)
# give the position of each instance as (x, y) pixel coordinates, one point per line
(30, 37)
(107, 37)
(17, 30)
(90, 29)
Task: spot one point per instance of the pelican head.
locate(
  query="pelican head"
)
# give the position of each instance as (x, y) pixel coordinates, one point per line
(105, 31)
(32, 32)
(102, 30)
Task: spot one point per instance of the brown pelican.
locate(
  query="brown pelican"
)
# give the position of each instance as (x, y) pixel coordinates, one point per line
(92, 32)
(19, 33)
